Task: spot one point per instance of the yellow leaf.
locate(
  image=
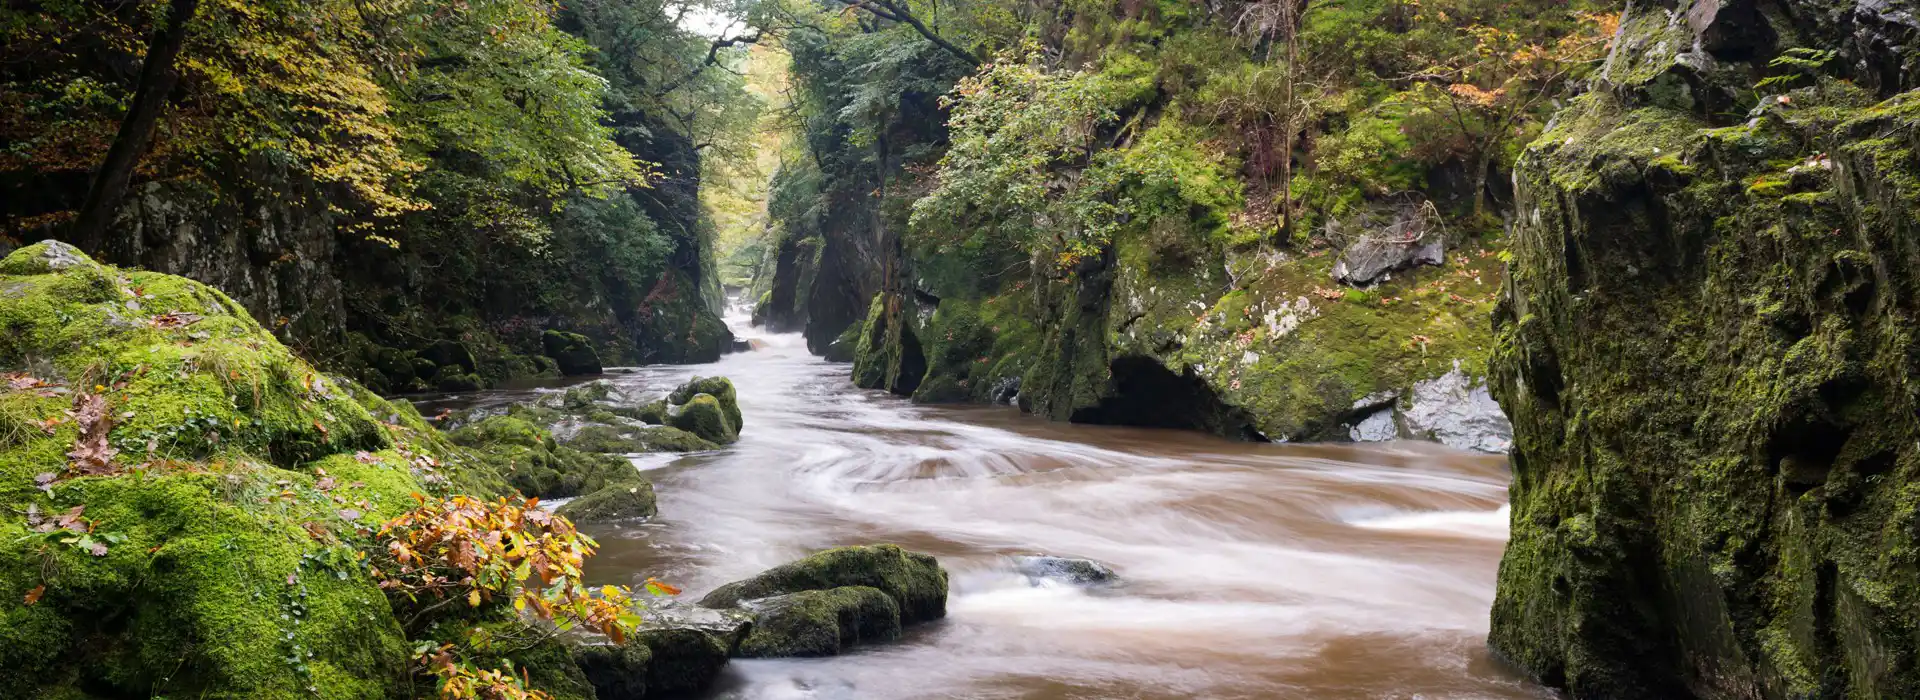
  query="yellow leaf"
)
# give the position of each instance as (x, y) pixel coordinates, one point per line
(473, 598)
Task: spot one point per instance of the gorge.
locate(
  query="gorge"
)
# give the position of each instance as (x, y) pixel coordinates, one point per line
(903, 348)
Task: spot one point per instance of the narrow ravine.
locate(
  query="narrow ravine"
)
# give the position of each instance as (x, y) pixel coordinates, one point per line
(1250, 570)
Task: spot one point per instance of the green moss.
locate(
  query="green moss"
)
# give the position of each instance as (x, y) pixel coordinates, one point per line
(914, 581)
(1712, 399)
(207, 592)
(230, 531)
(869, 352)
(572, 353)
(616, 501)
(706, 418)
(719, 388)
(821, 622)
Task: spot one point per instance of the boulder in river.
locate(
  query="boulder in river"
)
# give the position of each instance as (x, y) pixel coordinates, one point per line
(827, 602)
(572, 352)
(820, 622)
(619, 501)
(680, 648)
(631, 439)
(1040, 568)
(719, 388)
(915, 581)
(703, 417)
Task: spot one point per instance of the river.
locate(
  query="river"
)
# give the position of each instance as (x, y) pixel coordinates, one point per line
(1250, 570)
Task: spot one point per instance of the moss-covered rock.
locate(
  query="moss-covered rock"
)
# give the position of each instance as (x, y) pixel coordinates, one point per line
(717, 387)
(915, 581)
(821, 622)
(207, 555)
(527, 457)
(843, 345)
(616, 671)
(572, 353)
(1707, 347)
(616, 501)
(705, 417)
(684, 660)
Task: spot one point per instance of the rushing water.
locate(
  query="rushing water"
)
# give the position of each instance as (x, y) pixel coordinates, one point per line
(1251, 571)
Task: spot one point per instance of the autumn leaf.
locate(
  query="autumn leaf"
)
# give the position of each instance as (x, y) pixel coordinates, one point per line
(658, 587)
(33, 596)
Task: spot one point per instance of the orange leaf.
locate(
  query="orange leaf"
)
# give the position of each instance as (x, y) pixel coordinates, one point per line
(33, 596)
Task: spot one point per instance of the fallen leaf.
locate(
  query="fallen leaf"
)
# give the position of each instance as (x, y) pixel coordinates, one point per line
(33, 596)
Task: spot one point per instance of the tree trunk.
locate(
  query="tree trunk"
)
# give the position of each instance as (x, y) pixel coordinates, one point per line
(1481, 164)
(157, 76)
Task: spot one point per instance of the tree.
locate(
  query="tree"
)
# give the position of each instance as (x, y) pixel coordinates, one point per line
(1280, 22)
(158, 74)
(1485, 95)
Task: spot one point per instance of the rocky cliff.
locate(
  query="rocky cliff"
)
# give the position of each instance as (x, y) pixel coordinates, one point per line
(1707, 347)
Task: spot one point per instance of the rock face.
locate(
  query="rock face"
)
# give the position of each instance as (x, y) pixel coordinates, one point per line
(1402, 238)
(1707, 347)
(831, 600)
(1457, 411)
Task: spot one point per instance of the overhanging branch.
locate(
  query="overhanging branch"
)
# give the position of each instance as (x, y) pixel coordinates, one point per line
(898, 12)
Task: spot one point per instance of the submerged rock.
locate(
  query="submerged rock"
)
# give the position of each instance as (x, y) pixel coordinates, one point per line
(1078, 572)
(1458, 412)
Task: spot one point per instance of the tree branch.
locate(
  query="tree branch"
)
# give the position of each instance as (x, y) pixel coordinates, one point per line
(898, 12)
(713, 57)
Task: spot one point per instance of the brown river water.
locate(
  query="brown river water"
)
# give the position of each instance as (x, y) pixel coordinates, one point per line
(1249, 570)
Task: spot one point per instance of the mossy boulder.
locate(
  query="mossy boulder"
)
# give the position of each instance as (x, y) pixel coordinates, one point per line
(626, 439)
(572, 353)
(916, 582)
(616, 671)
(616, 501)
(717, 387)
(683, 659)
(821, 622)
(451, 353)
(212, 561)
(527, 457)
(705, 417)
(452, 378)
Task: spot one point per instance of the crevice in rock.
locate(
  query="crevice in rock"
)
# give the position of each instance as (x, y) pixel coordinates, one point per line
(1142, 392)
